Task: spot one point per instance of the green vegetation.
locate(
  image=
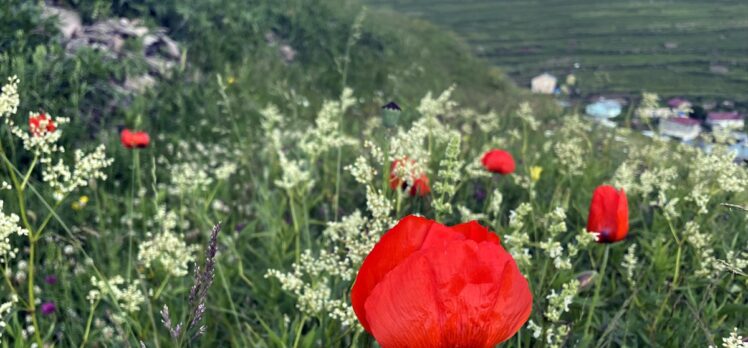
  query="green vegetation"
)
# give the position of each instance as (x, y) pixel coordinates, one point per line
(658, 46)
(281, 153)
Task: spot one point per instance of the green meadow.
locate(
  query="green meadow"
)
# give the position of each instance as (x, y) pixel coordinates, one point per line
(667, 47)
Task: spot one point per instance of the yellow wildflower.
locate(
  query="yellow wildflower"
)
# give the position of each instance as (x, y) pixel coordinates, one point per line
(535, 172)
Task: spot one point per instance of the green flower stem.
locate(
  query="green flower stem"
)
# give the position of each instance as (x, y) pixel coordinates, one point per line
(596, 296)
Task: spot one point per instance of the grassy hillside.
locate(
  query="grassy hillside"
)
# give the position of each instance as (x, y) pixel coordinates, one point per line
(665, 47)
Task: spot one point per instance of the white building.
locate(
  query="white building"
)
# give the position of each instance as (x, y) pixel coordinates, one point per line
(725, 120)
(683, 128)
(545, 84)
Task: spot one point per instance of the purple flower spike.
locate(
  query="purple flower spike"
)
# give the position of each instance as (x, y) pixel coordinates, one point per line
(48, 308)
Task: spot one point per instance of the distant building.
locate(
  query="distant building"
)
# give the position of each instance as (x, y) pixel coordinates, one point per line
(726, 120)
(683, 128)
(603, 109)
(545, 84)
(678, 103)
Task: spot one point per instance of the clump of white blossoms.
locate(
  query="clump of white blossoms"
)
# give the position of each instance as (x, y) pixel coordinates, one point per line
(518, 240)
(9, 226)
(189, 177)
(312, 280)
(526, 115)
(41, 140)
(5, 309)
(431, 108)
(167, 248)
(558, 303)
(733, 341)
(129, 297)
(630, 264)
(326, 134)
(9, 98)
(87, 166)
(295, 176)
(556, 225)
(449, 176)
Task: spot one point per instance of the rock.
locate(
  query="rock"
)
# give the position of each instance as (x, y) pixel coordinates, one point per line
(139, 84)
(68, 22)
(287, 53)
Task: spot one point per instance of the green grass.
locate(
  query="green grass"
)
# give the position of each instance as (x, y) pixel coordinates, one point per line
(199, 123)
(619, 45)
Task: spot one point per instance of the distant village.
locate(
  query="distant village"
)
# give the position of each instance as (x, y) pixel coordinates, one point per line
(677, 118)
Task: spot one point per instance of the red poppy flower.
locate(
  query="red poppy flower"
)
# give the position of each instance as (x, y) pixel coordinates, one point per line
(420, 185)
(41, 123)
(498, 161)
(132, 139)
(609, 214)
(428, 285)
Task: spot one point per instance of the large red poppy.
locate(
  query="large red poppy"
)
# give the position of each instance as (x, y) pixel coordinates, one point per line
(498, 161)
(420, 186)
(609, 214)
(428, 285)
(132, 139)
(41, 123)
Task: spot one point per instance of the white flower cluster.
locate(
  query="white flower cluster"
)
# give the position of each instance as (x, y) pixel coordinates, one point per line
(128, 296)
(41, 142)
(558, 303)
(167, 248)
(361, 171)
(449, 175)
(649, 107)
(630, 264)
(430, 109)
(526, 115)
(733, 341)
(717, 169)
(518, 240)
(295, 176)
(9, 99)
(309, 281)
(570, 153)
(494, 205)
(327, 134)
(701, 243)
(9, 226)
(5, 309)
(189, 177)
(556, 335)
(408, 147)
(468, 215)
(475, 168)
(86, 167)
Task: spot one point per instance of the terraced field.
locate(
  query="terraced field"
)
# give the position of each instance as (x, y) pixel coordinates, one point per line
(689, 48)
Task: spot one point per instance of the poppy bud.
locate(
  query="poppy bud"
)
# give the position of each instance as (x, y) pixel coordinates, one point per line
(586, 279)
(609, 214)
(498, 161)
(131, 140)
(391, 114)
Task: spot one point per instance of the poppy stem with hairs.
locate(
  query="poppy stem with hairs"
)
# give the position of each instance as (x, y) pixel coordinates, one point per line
(131, 211)
(596, 296)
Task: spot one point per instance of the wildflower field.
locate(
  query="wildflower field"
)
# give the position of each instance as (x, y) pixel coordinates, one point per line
(320, 174)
